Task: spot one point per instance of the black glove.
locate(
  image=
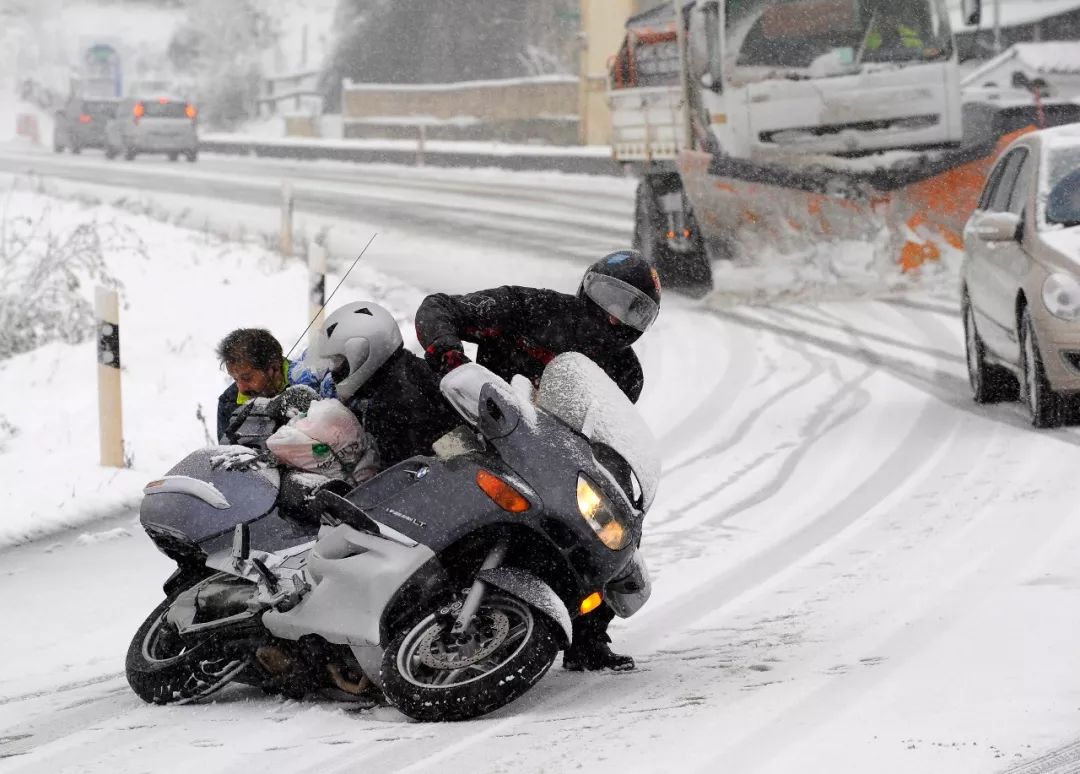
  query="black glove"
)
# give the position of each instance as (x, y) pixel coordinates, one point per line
(445, 354)
(293, 401)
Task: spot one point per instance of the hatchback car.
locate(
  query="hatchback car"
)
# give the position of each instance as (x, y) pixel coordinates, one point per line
(1021, 277)
(81, 124)
(157, 124)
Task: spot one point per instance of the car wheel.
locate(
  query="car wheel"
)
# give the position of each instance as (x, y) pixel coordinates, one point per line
(110, 152)
(1044, 404)
(129, 154)
(989, 383)
(193, 156)
(76, 149)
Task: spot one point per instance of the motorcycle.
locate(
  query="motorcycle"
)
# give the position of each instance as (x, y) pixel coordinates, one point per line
(449, 583)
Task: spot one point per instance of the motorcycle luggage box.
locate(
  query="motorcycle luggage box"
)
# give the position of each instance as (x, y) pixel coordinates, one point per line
(250, 494)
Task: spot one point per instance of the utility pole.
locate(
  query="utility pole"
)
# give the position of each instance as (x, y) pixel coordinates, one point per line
(997, 27)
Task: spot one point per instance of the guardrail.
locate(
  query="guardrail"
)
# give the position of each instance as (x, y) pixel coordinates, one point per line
(586, 161)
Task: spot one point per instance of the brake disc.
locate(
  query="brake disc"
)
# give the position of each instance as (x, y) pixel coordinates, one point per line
(434, 652)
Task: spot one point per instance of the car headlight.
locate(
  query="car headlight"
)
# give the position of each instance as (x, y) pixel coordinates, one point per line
(596, 509)
(1061, 296)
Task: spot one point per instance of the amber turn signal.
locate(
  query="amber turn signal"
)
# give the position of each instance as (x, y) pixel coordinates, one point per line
(504, 495)
(591, 602)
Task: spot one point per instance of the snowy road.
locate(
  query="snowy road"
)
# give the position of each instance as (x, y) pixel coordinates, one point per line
(855, 568)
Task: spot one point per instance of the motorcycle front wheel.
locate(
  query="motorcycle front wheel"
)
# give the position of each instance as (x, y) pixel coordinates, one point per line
(164, 668)
(432, 675)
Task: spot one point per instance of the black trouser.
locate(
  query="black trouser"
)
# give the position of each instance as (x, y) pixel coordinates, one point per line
(593, 627)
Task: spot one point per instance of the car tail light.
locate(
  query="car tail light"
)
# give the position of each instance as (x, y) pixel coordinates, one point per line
(138, 110)
(190, 111)
(85, 119)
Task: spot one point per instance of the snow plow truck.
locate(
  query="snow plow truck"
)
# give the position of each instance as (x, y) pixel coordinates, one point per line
(771, 125)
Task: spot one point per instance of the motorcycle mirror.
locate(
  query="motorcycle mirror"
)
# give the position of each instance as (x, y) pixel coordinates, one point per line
(241, 542)
(498, 417)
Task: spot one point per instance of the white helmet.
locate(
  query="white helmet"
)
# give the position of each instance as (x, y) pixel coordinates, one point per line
(354, 342)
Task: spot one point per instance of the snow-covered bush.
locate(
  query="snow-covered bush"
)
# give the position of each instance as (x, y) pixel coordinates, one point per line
(47, 269)
(220, 47)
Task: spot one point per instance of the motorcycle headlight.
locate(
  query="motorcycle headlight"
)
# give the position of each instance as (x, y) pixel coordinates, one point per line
(1061, 296)
(596, 509)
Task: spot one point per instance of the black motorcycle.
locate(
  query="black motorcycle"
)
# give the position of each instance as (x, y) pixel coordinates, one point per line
(447, 582)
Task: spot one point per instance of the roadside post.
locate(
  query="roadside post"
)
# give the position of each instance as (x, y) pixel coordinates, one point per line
(110, 407)
(316, 283)
(285, 240)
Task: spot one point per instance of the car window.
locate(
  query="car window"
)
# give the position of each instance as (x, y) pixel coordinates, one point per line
(100, 109)
(167, 109)
(1019, 197)
(1000, 200)
(991, 185)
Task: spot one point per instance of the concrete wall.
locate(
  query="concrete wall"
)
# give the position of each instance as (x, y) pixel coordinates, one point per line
(516, 110)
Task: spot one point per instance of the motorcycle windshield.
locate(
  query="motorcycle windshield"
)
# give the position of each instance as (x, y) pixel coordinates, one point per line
(578, 392)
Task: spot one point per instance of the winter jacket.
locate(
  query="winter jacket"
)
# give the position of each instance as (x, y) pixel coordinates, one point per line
(519, 330)
(295, 373)
(402, 407)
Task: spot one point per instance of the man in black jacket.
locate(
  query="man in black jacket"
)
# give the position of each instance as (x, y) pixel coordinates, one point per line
(390, 389)
(519, 330)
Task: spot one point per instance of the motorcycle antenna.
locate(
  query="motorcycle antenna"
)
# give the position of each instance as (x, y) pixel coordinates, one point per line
(335, 290)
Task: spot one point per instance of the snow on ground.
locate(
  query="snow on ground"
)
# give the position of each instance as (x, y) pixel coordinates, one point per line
(855, 568)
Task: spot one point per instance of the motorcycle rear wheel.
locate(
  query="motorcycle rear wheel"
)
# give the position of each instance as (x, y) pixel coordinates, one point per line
(163, 668)
(430, 676)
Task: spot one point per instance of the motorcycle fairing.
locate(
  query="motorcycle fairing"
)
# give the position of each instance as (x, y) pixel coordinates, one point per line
(531, 590)
(630, 589)
(577, 390)
(355, 575)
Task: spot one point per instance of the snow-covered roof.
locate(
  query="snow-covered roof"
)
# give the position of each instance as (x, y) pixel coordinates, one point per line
(1013, 12)
(1050, 58)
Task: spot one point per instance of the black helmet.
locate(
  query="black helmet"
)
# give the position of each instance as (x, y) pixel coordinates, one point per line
(624, 285)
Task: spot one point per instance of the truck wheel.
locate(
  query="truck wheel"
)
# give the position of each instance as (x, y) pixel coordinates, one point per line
(687, 271)
(129, 154)
(174, 156)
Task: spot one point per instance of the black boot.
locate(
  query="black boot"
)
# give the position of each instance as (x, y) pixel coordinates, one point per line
(595, 654)
(589, 649)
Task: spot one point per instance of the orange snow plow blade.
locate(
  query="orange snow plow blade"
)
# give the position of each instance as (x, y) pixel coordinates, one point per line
(756, 208)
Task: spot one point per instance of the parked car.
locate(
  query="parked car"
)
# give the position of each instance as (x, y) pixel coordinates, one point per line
(81, 123)
(154, 124)
(1021, 277)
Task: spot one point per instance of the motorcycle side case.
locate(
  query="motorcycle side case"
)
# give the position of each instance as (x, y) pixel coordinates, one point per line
(251, 495)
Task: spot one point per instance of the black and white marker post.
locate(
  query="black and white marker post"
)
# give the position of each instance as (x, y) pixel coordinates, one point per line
(285, 239)
(110, 408)
(316, 283)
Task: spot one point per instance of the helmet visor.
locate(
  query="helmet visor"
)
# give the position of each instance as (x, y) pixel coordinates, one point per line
(621, 300)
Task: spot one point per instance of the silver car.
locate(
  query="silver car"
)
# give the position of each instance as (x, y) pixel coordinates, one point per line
(1021, 277)
(153, 124)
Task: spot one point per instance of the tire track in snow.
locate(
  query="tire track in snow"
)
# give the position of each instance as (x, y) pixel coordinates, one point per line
(945, 387)
(743, 428)
(850, 330)
(1061, 760)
